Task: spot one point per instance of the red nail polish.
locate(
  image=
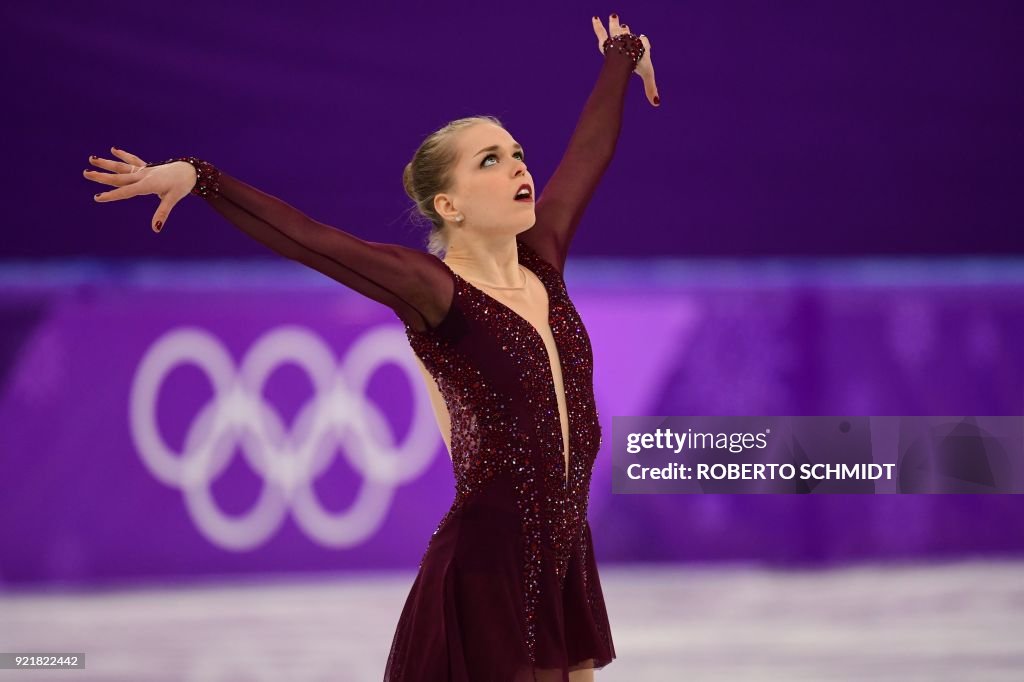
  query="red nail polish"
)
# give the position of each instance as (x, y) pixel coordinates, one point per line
(92, 156)
(657, 100)
(159, 224)
(615, 16)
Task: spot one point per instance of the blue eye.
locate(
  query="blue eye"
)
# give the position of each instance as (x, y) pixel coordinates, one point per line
(521, 156)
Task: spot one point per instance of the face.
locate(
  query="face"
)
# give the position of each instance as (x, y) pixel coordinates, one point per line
(485, 182)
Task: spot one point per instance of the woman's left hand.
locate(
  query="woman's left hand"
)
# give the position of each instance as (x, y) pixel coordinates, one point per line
(644, 68)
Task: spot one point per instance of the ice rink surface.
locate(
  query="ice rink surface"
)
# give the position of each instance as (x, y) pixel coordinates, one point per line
(941, 621)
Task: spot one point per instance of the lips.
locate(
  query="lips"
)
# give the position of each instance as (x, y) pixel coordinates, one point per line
(518, 189)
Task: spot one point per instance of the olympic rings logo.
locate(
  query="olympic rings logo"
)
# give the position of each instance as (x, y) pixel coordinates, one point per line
(337, 418)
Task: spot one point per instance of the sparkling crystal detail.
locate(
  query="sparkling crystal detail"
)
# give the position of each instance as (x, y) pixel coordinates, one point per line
(627, 44)
(489, 439)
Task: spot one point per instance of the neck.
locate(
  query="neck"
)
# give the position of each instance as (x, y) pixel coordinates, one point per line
(494, 264)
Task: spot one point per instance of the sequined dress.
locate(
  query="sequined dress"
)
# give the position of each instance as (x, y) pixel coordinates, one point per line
(507, 589)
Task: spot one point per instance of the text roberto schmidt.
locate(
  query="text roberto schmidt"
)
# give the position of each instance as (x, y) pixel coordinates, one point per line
(667, 440)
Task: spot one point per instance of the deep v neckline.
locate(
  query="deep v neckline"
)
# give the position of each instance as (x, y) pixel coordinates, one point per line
(540, 339)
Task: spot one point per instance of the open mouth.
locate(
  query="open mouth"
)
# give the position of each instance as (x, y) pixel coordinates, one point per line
(524, 194)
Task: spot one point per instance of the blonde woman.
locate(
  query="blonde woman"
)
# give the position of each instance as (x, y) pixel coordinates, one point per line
(508, 588)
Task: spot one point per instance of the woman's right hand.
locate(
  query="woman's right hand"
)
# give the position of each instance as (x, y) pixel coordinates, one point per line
(171, 182)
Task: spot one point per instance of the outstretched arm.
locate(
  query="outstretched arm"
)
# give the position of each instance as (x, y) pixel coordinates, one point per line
(565, 197)
(412, 283)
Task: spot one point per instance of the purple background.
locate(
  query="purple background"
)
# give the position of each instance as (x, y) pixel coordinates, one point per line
(80, 504)
(808, 129)
(802, 128)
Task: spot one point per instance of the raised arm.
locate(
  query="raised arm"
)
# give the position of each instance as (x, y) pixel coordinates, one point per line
(413, 283)
(565, 197)
(410, 282)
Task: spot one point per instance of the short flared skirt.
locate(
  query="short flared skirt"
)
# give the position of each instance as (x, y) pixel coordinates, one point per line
(464, 618)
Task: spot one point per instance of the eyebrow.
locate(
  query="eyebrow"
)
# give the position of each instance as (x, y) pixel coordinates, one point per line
(494, 148)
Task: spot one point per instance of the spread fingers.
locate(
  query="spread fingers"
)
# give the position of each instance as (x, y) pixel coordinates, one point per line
(114, 179)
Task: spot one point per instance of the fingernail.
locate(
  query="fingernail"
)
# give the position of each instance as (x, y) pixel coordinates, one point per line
(92, 156)
(95, 196)
(159, 224)
(595, 18)
(615, 16)
(657, 100)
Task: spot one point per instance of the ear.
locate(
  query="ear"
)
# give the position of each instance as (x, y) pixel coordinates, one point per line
(444, 207)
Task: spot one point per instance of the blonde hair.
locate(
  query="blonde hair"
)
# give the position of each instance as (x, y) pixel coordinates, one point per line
(430, 173)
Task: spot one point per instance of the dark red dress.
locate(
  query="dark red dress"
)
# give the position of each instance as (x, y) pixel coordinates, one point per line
(507, 589)
(508, 582)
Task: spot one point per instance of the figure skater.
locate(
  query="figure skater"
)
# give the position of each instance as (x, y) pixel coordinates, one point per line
(507, 588)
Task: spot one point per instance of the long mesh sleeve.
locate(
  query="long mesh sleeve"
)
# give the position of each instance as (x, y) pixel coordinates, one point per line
(565, 197)
(413, 283)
